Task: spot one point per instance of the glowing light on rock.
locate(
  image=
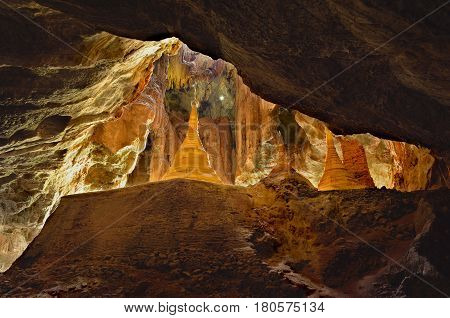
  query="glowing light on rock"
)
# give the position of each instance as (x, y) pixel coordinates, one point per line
(351, 173)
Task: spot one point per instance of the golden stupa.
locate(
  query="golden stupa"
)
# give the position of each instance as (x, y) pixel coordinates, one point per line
(191, 160)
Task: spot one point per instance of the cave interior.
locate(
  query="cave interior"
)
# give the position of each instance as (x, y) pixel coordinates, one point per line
(223, 162)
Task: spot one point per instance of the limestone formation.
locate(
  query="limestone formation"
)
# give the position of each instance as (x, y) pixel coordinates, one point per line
(412, 165)
(68, 154)
(217, 138)
(310, 160)
(389, 161)
(257, 140)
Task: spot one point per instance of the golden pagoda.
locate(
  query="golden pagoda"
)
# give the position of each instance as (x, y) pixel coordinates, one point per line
(191, 160)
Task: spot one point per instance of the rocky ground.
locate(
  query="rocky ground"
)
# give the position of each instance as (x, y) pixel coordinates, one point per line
(280, 238)
(169, 239)
(366, 242)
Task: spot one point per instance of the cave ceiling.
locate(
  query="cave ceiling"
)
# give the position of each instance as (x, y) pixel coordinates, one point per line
(285, 50)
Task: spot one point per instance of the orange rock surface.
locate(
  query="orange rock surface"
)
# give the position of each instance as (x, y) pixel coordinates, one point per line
(335, 176)
(130, 124)
(216, 137)
(355, 162)
(258, 143)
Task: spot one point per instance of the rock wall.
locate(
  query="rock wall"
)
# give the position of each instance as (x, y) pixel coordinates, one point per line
(355, 161)
(163, 139)
(84, 122)
(258, 143)
(217, 138)
(309, 160)
(65, 154)
(391, 164)
(397, 165)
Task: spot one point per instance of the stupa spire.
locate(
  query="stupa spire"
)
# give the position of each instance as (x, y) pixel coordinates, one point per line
(191, 160)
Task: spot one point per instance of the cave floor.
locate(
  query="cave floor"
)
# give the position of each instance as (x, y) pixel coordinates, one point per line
(177, 238)
(279, 238)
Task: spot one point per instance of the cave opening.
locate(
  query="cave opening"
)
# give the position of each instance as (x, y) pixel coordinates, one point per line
(247, 138)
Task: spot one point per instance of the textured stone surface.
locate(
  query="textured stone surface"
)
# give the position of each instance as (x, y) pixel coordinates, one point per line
(218, 139)
(284, 50)
(63, 101)
(365, 242)
(398, 165)
(336, 176)
(355, 161)
(57, 130)
(257, 139)
(184, 238)
(177, 238)
(391, 164)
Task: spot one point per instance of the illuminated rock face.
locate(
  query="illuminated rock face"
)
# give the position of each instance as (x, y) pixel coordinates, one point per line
(310, 160)
(355, 161)
(92, 123)
(129, 124)
(258, 144)
(335, 176)
(217, 138)
(351, 173)
(398, 165)
(83, 131)
(162, 141)
(191, 160)
(390, 164)
(411, 166)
